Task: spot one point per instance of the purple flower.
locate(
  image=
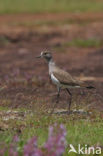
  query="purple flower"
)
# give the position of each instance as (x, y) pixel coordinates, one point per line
(31, 149)
(56, 142)
(54, 146)
(12, 151)
(2, 151)
(15, 138)
(51, 129)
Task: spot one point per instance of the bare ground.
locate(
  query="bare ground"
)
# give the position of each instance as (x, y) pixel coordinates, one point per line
(24, 81)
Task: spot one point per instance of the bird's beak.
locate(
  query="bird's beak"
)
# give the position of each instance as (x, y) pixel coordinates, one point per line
(38, 56)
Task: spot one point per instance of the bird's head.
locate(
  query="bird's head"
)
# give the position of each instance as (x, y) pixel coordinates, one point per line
(45, 54)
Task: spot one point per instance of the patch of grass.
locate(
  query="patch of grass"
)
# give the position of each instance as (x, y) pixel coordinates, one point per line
(37, 23)
(91, 132)
(48, 23)
(84, 43)
(3, 40)
(79, 131)
(34, 6)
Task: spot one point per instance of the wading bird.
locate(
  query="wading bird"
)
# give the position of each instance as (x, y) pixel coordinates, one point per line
(61, 78)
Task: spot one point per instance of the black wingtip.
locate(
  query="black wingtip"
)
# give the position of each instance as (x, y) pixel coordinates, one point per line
(90, 87)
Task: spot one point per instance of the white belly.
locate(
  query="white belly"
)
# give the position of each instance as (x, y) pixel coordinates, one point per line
(55, 80)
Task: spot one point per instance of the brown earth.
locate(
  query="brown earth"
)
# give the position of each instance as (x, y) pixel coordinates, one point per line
(24, 81)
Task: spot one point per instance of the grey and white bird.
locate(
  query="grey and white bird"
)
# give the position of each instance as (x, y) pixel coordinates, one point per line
(61, 78)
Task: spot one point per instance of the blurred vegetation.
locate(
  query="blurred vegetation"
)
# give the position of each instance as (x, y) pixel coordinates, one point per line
(37, 6)
(84, 43)
(78, 131)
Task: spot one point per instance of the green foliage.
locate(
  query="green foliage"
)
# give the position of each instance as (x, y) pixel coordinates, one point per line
(85, 43)
(31, 6)
(79, 131)
(3, 40)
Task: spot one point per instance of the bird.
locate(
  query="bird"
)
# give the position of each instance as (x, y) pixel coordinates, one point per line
(61, 78)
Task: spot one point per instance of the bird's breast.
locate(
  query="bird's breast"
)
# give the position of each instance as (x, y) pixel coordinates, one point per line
(54, 80)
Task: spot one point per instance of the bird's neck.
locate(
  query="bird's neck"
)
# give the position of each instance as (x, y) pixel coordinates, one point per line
(51, 65)
(51, 62)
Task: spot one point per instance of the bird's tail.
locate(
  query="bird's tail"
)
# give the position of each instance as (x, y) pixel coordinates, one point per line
(86, 86)
(90, 87)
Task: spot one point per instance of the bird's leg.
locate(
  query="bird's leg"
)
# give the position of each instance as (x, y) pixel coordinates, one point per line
(70, 100)
(58, 95)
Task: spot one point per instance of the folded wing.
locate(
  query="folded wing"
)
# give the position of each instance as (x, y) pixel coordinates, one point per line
(65, 78)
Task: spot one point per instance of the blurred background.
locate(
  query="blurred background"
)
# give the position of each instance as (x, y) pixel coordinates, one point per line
(71, 29)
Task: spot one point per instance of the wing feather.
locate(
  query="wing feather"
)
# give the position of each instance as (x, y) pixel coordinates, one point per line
(65, 78)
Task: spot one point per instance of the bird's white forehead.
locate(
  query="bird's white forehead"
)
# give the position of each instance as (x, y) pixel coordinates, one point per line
(41, 53)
